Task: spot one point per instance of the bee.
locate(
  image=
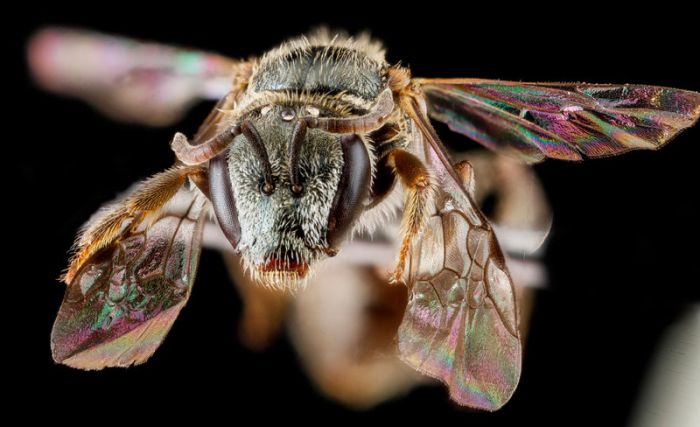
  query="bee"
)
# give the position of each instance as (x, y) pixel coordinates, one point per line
(314, 142)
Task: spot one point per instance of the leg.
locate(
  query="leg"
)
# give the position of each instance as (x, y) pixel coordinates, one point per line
(418, 198)
(144, 202)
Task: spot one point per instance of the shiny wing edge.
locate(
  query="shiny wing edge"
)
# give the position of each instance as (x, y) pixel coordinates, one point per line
(567, 121)
(128, 80)
(461, 321)
(124, 298)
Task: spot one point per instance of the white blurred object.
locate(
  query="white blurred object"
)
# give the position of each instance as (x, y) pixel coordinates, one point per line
(671, 394)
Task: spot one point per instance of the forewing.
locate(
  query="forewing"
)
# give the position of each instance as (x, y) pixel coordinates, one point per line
(128, 80)
(461, 324)
(124, 299)
(561, 120)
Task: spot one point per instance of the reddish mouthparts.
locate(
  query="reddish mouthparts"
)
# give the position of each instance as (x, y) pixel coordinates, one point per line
(287, 266)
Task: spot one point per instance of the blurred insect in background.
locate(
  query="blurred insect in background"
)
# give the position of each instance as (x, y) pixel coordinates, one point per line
(318, 141)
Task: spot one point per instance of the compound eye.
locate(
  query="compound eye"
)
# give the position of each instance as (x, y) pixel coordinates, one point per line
(352, 189)
(221, 195)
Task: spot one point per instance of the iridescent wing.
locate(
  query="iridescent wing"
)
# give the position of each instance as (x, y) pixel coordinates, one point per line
(124, 298)
(461, 324)
(128, 80)
(561, 120)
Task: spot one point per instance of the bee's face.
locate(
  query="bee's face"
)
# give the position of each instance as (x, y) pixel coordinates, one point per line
(283, 232)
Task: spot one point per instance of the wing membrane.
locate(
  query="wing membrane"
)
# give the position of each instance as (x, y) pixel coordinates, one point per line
(561, 120)
(128, 80)
(124, 299)
(461, 324)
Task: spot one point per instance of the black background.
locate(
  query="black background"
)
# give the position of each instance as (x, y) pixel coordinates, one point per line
(622, 256)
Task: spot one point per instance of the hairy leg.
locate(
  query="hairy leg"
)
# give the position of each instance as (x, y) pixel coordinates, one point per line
(145, 201)
(418, 197)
